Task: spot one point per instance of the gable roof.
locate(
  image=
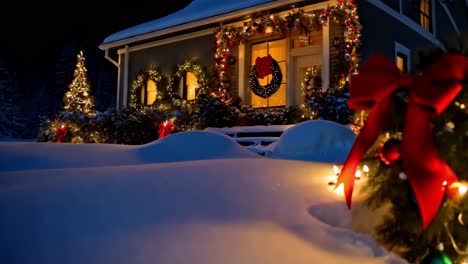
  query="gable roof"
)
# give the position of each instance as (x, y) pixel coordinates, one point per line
(197, 13)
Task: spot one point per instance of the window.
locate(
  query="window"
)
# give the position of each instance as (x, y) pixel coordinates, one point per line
(402, 62)
(313, 38)
(151, 92)
(402, 57)
(277, 50)
(148, 93)
(425, 14)
(191, 86)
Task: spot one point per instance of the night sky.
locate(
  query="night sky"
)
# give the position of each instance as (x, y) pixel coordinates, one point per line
(39, 42)
(33, 33)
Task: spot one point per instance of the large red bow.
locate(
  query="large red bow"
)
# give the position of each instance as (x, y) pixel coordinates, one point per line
(429, 94)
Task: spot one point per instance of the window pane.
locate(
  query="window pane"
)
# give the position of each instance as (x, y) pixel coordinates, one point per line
(277, 99)
(192, 86)
(425, 14)
(151, 92)
(402, 63)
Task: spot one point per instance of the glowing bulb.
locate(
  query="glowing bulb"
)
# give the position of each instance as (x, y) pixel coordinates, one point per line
(339, 189)
(336, 170)
(462, 189)
(462, 106)
(357, 174)
(365, 168)
(62, 127)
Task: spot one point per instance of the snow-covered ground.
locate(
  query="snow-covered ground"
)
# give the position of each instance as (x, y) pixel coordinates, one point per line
(195, 197)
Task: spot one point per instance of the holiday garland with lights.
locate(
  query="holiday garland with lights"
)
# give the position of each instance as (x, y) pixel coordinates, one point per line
(79, 98)
(344, 13)
(416, 141)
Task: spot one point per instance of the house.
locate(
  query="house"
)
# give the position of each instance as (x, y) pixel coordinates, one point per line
(296, 45)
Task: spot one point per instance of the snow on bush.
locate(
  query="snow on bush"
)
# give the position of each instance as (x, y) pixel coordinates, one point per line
(314, 140)
(193, 145)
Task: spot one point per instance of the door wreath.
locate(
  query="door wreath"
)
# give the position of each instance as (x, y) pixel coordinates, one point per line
(263, 67)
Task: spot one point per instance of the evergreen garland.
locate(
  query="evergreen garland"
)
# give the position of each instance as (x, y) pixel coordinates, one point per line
(401, 230)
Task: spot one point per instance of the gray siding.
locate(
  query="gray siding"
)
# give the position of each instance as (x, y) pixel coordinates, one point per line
(444, 28)
(394, 4)
(380, 31)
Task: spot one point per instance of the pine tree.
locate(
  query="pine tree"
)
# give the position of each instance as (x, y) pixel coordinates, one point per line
(445, 239)
(12, 122)
(78, 98)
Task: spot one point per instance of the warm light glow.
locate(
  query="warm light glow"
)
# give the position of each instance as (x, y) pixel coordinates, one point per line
(151, 92)
(277, 50)
(336, 170)
(339, 189)
(192, 85)
(63, 126)
(462, 189)
(462, 106)
(365, 168)
(358, 174)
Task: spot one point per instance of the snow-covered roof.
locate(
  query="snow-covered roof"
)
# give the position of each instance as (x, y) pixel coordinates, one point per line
(197, 11)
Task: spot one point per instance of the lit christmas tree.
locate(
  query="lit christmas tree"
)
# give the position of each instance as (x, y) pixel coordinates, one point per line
(78, 98)
(415, 142)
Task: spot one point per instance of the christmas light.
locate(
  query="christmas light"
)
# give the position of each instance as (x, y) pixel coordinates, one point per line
(365, 168)
(336, 170)
(357, 174)
(339, 189)
(345, 13)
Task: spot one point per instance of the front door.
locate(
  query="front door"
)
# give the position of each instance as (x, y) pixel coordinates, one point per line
(307, 75)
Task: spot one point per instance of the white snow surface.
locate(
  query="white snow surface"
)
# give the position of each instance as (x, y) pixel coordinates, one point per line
(197, 10)
(93, 203)
(314, 140)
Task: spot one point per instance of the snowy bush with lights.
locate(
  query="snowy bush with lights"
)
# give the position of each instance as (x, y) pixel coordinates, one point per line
(330, 105)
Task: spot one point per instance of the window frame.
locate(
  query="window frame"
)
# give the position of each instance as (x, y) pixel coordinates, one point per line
(403, 50)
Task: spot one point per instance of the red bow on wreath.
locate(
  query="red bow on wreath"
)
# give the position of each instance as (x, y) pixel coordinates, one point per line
(429, 94)
(263, 66)
(164, 128)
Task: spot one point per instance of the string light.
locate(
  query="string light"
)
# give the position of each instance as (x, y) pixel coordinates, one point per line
(345, 13)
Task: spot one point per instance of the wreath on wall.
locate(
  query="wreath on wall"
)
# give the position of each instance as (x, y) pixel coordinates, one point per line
(152, 73)
(263, 67)
(203, 80)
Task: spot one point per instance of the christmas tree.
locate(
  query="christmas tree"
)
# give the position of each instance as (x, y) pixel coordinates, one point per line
(78, 98)
(415, 144)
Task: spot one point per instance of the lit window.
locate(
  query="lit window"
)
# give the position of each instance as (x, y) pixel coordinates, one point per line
(151, 92)
(424, 16)
(277, 50)
(192, 86)
(402, 62)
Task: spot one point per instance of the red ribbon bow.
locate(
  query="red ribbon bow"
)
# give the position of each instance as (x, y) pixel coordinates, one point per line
(165, 128)
(263, 66)
(429, 94)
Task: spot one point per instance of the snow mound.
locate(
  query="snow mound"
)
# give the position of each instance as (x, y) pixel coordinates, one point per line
(193, 145)
(314, 140)
(187, 146)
